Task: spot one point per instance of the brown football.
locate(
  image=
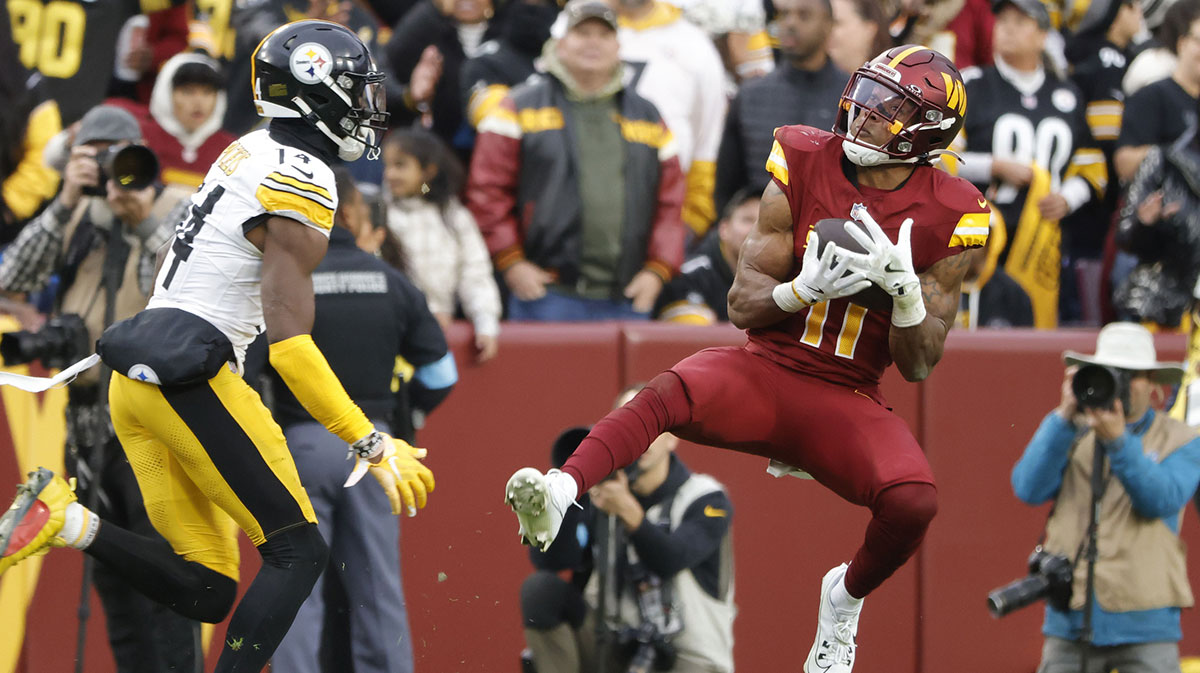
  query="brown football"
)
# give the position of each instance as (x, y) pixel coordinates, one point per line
(873, 298)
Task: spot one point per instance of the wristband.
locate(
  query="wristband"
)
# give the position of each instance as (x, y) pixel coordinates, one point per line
(368, 447)
(908, 309)
(787, 298)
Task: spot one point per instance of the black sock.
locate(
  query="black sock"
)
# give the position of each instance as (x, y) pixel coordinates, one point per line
(293, 559)
(153, 568)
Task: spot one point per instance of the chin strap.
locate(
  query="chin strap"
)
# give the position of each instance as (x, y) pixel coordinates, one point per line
(350, 148)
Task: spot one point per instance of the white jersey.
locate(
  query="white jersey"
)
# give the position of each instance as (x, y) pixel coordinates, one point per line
(212, 270)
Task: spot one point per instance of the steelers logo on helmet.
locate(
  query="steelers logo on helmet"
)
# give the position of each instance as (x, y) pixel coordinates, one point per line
(311, 63)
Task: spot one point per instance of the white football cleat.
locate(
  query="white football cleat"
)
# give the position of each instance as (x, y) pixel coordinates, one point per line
(540, 501)
(833, 650)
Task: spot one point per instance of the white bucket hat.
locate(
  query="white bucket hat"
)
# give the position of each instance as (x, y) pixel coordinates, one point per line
(1130, 346)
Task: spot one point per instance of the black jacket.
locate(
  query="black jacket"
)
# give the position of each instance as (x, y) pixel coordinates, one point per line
(704, 280)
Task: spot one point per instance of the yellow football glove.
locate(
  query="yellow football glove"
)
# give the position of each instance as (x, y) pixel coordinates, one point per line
(404, 479)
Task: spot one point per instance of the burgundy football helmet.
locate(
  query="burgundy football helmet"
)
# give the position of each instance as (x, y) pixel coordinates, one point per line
(905, 105)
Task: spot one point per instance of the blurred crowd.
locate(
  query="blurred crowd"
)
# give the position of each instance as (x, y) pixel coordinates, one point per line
(506, 193)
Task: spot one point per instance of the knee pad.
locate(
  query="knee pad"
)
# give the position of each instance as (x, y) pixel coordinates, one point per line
(547, 601)
(300, 549)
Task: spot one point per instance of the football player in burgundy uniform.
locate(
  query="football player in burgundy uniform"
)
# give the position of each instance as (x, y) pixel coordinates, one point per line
(804, 390)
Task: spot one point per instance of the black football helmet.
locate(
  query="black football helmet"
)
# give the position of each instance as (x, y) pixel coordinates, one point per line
(319, 71)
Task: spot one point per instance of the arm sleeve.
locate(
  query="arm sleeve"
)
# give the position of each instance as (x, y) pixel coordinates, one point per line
(1137, 119)
(1156, 490)
(492, 184)
(1037, 476)
(31, 259)
(307, 374)
(664, 253)
(704, 525)
(708, 121)
(477, 288)
(33, 182)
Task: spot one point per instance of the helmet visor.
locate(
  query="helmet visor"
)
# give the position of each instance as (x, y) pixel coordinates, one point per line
(873, 114)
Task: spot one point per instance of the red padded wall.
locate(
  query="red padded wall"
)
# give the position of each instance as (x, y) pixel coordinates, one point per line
(973, 415)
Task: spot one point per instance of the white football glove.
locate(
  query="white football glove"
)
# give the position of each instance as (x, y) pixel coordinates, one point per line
(405, 480)
(888, 265)
(821, 278)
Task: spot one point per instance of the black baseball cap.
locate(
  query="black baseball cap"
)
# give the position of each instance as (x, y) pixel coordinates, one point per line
(1034, 9)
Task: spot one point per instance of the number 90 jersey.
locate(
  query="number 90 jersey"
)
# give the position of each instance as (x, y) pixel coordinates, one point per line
(839, 341)
(212, 270)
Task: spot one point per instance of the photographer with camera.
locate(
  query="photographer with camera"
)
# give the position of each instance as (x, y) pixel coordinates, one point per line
(99, 237)
(653, 581)
(1111, 564)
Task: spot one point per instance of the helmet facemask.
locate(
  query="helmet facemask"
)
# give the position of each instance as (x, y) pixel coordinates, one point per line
(360, 129)
(882, 122)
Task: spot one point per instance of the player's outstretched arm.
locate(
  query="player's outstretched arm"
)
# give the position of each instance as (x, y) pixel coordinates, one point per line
(918, 348)
(291, 251)
(766, 261)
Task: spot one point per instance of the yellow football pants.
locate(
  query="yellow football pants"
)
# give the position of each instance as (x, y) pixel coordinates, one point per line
(206, 456)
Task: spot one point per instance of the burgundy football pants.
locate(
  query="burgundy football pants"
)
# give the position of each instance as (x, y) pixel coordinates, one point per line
(844, 438)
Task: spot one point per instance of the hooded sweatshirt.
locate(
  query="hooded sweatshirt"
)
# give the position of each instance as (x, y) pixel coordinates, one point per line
(183, 158)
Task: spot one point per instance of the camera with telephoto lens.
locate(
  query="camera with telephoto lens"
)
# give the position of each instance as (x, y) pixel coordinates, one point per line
(1049, 577)
(131, 166)
(1097, 387)
(61, 342)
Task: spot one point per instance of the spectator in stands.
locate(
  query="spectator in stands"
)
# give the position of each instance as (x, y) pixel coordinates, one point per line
(391, 320)
(27, 123)
(102, 248)
(1141, 578)
(991, 298)
(1160, 225)
(576, 185)
(960, 29)
(1027, 139)
(1159, 113)
(456, 31)
(677, 68)
(1155, 56)
(144, 43)
(76, 49)
(507, 60)
(446, 255)
(860, 31)
(672, 531)
(697, 296)
(739, 29)
(378, 239)
(804, 89)
(1099, 47)
(182, 124)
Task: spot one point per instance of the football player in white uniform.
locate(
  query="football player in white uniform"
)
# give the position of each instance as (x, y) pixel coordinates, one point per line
(205, 450)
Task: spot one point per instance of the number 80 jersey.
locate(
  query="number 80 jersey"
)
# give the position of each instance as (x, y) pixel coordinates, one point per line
(211, 269)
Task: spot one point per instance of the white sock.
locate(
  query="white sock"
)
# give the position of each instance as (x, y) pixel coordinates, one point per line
(79, 526)
(567, 481)
(841, 599)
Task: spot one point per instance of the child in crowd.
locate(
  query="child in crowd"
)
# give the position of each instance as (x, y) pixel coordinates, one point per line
(446, 254)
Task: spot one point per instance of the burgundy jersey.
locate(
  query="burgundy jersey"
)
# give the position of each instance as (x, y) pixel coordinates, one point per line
(838, 341)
